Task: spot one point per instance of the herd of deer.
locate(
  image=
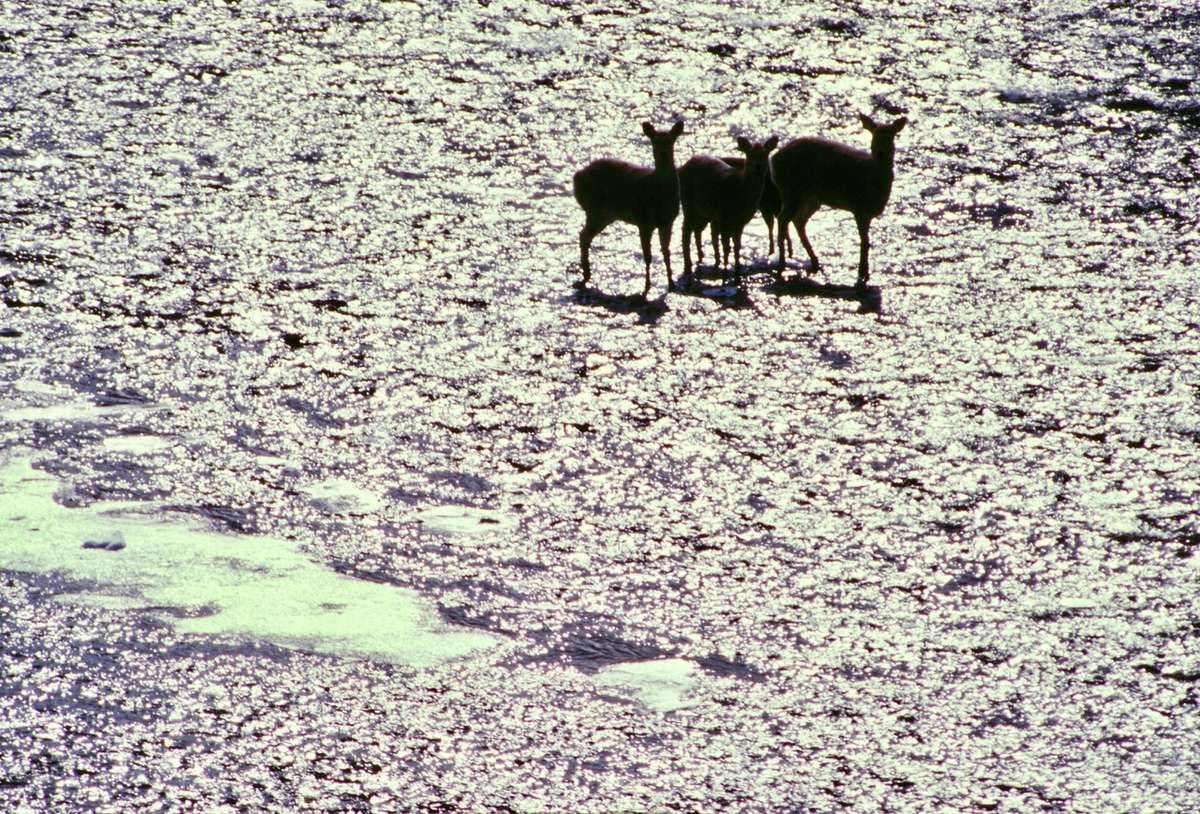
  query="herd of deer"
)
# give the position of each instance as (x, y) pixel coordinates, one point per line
(724, 193)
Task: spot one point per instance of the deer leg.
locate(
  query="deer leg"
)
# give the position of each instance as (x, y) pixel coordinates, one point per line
(769, 218)
(716, 241)
(801, 220)
(664, 243)
(737, 256)
(724, 242)
(785, 215)
(724, 257)
(645, 234)
(585, 242)
(864, 247)
(687, 251)
(590, 229)
(783, 238)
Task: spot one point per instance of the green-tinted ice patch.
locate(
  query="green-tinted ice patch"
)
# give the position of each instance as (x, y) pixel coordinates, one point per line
(244, 586)
(661, 684)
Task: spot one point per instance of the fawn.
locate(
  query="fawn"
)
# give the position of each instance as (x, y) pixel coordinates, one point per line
(648, 197)
(713, 192)
(813, 172)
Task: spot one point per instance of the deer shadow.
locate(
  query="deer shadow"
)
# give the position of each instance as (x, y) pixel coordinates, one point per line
(648, 311)
(709, 282)
(705, 284)
(868, 297)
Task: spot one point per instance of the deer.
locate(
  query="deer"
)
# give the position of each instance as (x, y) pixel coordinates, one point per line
(768, 206)
(814, 172)
(713, 192)
(647, 197)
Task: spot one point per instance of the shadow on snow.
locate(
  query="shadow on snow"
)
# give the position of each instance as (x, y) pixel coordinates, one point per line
(708, 282)
(648, 311)
(868, 297)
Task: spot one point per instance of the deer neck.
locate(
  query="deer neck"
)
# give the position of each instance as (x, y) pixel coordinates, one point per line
(664, 164)
(666, 179)
(752, 182)
(884, 156)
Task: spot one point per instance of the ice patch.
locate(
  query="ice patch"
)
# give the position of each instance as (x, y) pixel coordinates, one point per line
(543, 41)
(69, 411)
(661, 684)
(255, 587)
(136, 444)
(464, 520)
(34, 387)
(340, 496)
(53, 403)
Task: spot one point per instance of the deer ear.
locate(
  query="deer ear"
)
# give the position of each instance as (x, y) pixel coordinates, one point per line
(677, 129)
(648, 129)
(867, 122)
(743, 144)
(772, 143)
(898, 125)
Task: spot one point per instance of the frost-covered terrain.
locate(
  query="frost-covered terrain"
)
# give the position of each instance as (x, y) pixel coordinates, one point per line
(323, 488)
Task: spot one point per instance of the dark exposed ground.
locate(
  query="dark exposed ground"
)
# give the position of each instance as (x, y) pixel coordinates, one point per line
(936, 558)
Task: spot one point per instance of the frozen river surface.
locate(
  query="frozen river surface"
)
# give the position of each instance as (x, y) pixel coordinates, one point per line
(322, 488)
